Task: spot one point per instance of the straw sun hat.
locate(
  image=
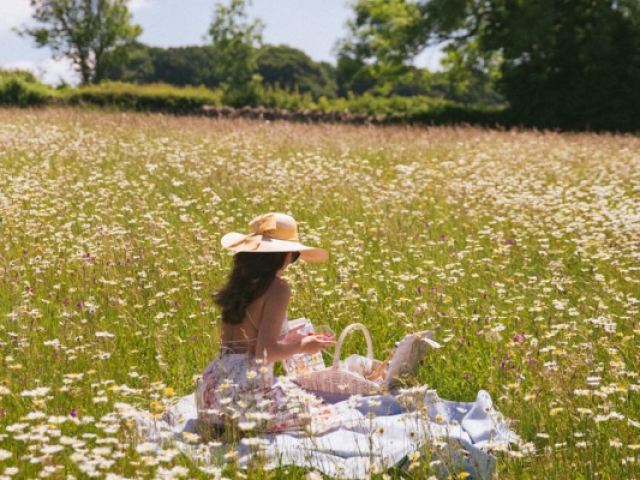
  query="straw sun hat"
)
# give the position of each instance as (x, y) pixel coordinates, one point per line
(273, 232)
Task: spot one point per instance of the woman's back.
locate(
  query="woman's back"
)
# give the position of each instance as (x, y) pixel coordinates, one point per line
(243, 337)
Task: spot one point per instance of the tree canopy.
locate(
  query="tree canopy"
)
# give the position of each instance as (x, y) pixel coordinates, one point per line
(181, 66)
(292, 68)
(92, 33)
(195, 65)
(236, 39)
(564, 63)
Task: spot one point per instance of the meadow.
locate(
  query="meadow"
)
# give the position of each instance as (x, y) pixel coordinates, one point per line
(521, 250)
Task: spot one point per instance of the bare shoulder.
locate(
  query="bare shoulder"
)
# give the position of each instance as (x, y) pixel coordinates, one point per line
(277, 299)
(279, 290)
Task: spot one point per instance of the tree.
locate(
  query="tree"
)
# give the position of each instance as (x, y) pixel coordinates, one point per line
(576, 65)
(291, 68)
(236, 40)
(383, 40)
(192, 65)
(563, 63)
(354, 75)
(470, 74)
(138, 68)
(93, 34)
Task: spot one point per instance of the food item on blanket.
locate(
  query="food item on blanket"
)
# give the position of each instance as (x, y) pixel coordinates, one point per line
(302, 363)
(324, 332)
(322, 336)
(381, 370)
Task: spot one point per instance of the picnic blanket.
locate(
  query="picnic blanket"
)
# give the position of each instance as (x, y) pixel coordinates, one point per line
(376, 433)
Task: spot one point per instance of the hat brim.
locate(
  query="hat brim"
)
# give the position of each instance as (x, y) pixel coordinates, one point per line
(267, 244)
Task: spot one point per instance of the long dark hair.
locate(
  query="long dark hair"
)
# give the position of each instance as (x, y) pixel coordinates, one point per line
(250, 277)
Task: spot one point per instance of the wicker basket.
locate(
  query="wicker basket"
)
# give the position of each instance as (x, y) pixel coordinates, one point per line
(333, 379)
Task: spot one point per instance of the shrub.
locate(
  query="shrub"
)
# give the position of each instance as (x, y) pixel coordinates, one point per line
(19, 88)
(24, 75)
(150, 98)
(278, 97)
(450, 113)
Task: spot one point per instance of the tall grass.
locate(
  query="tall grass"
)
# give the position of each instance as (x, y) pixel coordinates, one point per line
(520, 249)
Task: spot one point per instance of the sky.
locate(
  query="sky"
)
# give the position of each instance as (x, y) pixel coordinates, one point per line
(313, 26)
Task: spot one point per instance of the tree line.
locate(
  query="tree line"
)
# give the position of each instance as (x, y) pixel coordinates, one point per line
(571, 64)
(291, 69)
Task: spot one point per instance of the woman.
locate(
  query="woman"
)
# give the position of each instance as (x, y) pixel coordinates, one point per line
(238, 387)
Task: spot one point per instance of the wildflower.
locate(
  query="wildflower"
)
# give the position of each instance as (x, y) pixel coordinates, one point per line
(104, 335)
(252, 441)
(245, 426)
(50, 449)
(232, 456)
(190, 437)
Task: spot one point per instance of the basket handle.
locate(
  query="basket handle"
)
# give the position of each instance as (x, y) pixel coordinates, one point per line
(367, 336)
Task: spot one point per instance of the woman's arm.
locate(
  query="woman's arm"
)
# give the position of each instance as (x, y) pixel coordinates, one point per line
(268, 348)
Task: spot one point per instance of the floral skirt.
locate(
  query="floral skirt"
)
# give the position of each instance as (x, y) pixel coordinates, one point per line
(238, 391)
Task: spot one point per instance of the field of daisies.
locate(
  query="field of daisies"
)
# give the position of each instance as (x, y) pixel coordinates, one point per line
(521, 250)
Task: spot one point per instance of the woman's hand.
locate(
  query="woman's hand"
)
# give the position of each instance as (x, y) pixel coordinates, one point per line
(294, 334)
(314, 343)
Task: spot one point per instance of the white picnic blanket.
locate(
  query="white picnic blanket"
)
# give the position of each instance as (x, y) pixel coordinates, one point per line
(376, 434)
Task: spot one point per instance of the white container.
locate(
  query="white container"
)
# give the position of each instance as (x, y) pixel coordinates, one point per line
(302, 363)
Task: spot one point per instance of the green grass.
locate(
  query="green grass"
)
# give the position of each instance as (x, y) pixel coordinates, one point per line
(520, 250)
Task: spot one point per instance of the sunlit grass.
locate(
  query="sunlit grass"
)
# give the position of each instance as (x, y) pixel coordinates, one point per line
(521, 250)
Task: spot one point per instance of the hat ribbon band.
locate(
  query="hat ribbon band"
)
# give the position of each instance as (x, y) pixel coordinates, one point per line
(252, 241)
(267, 226)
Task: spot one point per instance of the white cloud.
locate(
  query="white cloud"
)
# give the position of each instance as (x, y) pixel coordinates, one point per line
(13, 13)
(54, 70)
(135, 5)
(51, 71)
